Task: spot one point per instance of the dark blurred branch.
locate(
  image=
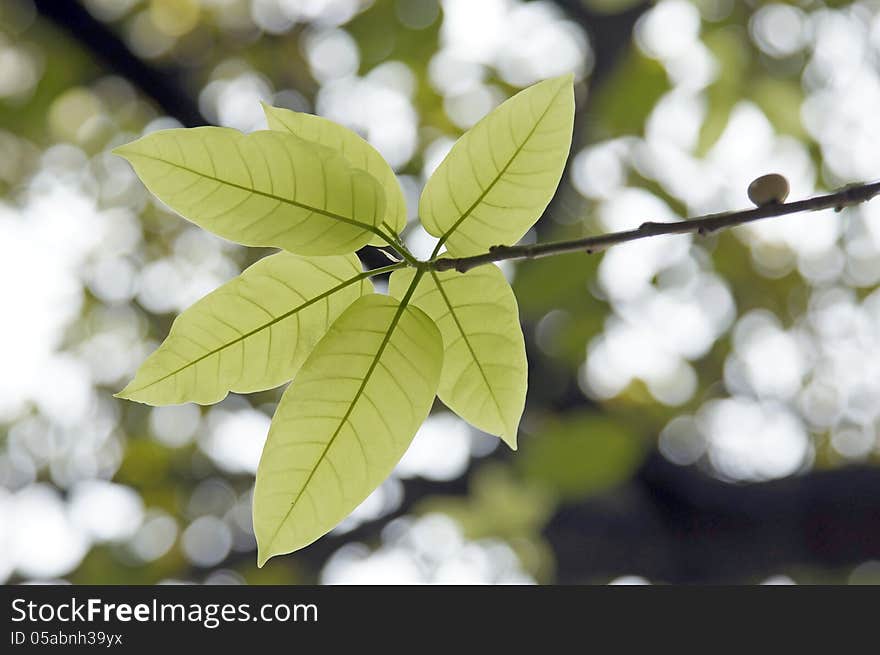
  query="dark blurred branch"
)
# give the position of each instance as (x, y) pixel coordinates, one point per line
(677, 525)
(609, 32)
(850, 195)
(610, 36)
(163, 86)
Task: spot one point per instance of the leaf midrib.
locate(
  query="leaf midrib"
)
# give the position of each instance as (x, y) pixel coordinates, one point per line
(323, 212)
(260, 328)
(282, 119)
(391, 327)
(494, 181)
(469, 346)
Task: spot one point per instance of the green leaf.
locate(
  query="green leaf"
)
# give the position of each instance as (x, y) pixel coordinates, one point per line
(485, 371)
(358, 152)
(498, 178)
(345, 421)
(264, 189)
(252, 333)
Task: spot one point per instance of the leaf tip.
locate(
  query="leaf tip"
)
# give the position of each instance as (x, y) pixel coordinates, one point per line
(559, 81)
(124, 393)
(122, 151)
(510, 431)
(265, 552)
(128, 393)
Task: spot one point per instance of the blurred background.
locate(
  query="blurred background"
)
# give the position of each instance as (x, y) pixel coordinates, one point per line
(700, 409)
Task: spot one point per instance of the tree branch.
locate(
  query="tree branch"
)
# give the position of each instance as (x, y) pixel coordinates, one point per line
(677, 525)
(671, 524)
(163, 86)
(849, 195)
(610, 35)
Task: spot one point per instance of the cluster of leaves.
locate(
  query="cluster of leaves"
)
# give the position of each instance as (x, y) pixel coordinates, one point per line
(365, 366)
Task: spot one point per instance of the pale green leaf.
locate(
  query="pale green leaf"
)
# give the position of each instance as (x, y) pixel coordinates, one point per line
(263, 189)
(252, 333)
(498, 178)
(484, 376)
(358, 152)
(345, 421)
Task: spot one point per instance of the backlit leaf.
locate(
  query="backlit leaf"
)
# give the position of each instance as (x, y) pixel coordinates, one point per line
(358, 152)
(252, 333)
(484, 375)
(263, 189)
(498, 178)
(345, 421)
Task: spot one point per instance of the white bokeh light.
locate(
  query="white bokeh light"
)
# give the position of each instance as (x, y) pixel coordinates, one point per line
(46, 542)
(428, 550)
(107, 511)
(234, 438)
(440, 450)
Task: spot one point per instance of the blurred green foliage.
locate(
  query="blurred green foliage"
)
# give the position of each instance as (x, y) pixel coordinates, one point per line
(582, 455)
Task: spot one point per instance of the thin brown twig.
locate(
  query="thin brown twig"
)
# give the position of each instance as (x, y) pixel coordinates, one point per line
(850, 195)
